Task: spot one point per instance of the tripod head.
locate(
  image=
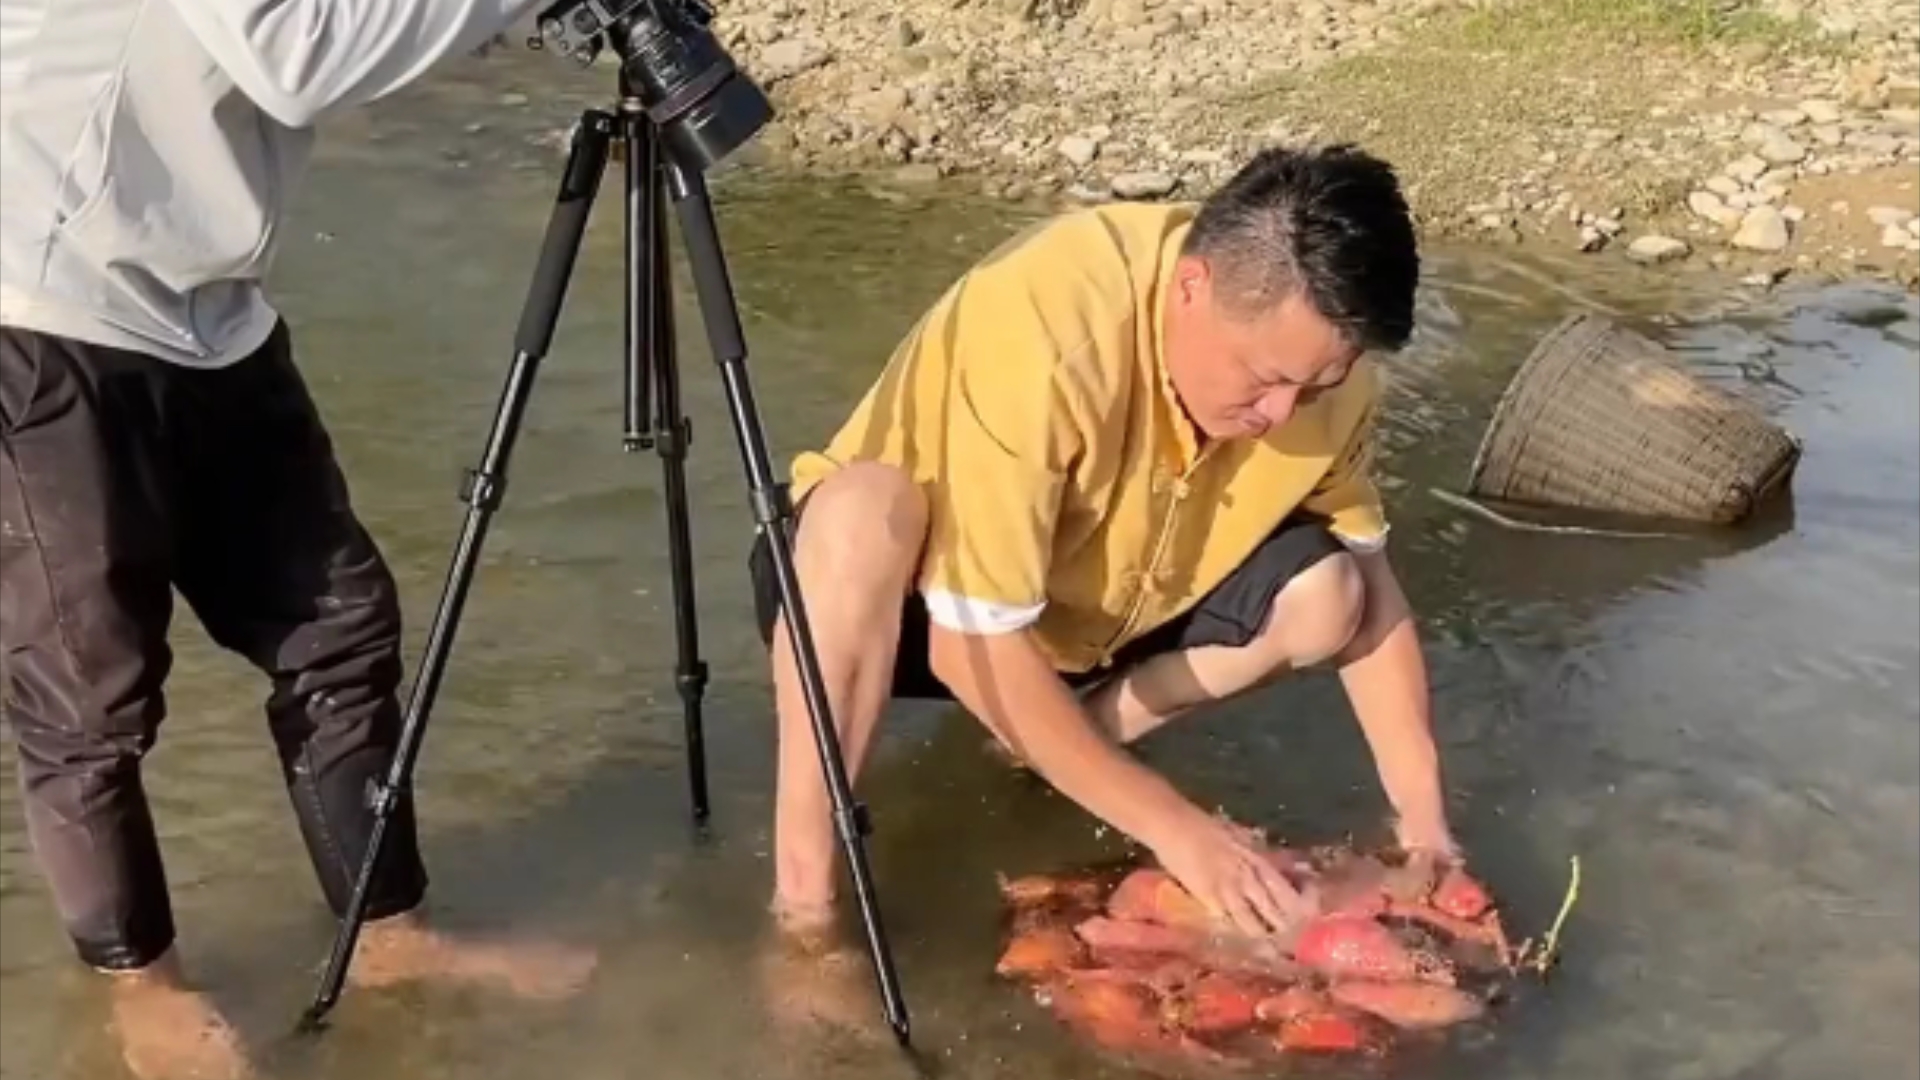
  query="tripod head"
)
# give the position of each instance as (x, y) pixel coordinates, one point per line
(703, 104)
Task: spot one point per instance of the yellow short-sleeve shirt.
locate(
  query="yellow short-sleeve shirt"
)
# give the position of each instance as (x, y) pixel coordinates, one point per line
(1068, 491)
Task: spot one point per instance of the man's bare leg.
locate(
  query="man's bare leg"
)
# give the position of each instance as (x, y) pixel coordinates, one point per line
(1313, 618)
(854, 553)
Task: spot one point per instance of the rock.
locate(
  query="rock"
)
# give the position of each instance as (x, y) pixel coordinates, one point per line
(1654, 248)
(1746, 168)
(1821, 111)
(1763, 228)
(513, 100)
(1781, 149)
(882, 107)
(1143, 185)
(1724, 186)
(1079, 150)
(784, 59)
(1592, 239)
(1709, 206)
(1784, 118)
(1894, 236)
(1888, 216)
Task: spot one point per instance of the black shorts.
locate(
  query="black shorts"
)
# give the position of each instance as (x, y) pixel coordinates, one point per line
(1233, 614)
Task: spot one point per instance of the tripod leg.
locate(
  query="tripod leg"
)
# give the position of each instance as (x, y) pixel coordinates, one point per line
(651, 344)
(483, 491)
(774, 515)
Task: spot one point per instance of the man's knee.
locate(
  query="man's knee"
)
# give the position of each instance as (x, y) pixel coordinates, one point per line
(1316, 614)
(867, 519)
(860, 533)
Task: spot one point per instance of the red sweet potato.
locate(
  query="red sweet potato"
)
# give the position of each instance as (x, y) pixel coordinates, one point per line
(1041, 952)
(1323, 1030)
(1414, 1006)
(1460, 895)
(1217, 1003)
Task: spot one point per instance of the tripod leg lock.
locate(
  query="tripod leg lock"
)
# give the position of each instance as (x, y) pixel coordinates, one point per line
(692, 682)
(673, 444)
(483, 489)
(770, 504)
(854, 820)
(381, 797)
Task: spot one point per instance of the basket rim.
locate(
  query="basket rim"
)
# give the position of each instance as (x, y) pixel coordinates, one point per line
(1512, 390)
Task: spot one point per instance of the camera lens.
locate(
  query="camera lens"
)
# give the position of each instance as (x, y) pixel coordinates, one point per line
(705, 107)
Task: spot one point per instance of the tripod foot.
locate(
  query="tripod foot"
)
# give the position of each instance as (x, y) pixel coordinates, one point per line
(312, 1022)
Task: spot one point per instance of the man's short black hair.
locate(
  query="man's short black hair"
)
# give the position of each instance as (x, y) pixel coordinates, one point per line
(1332, 222)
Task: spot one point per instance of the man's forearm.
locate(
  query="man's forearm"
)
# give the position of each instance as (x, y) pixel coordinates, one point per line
(1385, 676)
(1006, 682)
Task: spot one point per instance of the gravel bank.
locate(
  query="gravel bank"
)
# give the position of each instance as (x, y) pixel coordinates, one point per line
(1768, 140)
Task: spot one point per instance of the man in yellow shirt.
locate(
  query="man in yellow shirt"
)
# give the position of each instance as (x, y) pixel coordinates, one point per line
(1125, 457)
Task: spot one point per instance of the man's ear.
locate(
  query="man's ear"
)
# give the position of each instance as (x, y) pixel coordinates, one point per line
(1192, 278)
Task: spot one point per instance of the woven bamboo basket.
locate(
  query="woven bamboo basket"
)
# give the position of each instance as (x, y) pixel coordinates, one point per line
(1601, 418)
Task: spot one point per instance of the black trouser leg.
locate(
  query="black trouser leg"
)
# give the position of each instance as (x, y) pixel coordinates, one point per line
(279, 569)
(85, 600)
(121, 477)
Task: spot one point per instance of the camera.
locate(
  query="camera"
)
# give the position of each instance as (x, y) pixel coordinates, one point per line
(704, 106)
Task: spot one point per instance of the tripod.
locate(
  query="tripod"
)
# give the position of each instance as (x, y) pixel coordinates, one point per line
(651, 174)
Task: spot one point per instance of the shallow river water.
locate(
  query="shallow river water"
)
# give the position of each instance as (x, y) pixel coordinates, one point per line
(1725, 730)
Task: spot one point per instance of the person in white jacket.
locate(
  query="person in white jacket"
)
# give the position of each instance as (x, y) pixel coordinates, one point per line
(157, 436)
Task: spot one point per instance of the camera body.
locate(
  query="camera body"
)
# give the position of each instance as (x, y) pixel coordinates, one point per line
(704, 105)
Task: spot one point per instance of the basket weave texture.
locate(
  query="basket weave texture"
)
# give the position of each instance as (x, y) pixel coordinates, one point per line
(1602, 418)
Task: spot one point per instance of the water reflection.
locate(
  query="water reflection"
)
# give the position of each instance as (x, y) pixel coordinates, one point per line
(1725, 728)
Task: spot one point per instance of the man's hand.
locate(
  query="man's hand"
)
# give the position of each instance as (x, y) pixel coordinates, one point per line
(1006, 682)
(1427, 839)
(1223, 866)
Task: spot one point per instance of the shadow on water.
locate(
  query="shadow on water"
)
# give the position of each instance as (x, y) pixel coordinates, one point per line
(1725, 728)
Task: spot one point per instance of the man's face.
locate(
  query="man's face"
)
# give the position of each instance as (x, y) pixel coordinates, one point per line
(1240, 376)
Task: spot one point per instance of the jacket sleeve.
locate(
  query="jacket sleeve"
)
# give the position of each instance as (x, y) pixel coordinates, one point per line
(299, 59)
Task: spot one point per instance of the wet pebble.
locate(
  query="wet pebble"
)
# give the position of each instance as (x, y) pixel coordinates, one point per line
(1763, 229)
(1143, 185)
(1079, 150)
(1707, 205)
(1655, 248)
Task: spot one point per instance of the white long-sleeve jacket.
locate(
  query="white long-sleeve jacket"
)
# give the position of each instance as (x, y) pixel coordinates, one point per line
(149, 149)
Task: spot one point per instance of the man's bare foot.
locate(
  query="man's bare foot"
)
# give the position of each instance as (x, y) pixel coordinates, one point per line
(405, 949)
(170, 1031)
(812, 979)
